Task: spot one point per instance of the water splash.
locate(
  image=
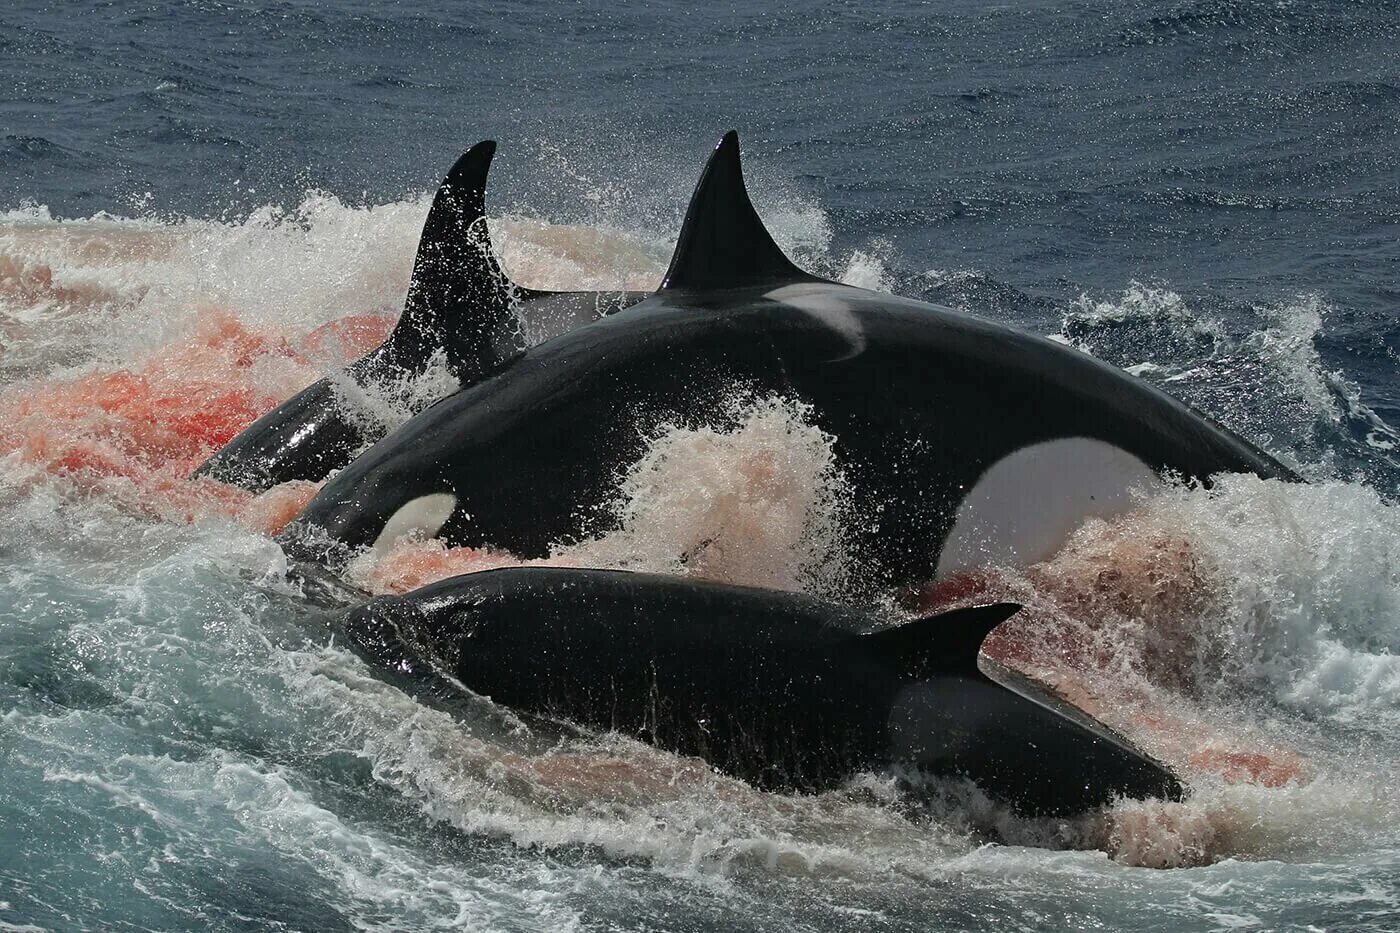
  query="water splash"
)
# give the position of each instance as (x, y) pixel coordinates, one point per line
(1259, 372)
(753, 500)
(1244, 633)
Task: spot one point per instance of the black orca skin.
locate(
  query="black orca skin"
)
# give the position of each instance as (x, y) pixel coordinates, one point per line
(460, 304)
(779, 689)
(921, 400)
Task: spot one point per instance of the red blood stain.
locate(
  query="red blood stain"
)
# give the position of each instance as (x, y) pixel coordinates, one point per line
(137, 432)
(411, 564)
(1069, 636)
(346, 339)
(1239, 767)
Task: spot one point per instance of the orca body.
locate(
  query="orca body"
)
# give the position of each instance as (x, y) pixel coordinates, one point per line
(962, 442)
(460, 305)
(781, 690)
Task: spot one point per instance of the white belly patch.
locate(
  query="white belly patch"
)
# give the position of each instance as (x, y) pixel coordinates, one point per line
(1023, 508)
(424, 516)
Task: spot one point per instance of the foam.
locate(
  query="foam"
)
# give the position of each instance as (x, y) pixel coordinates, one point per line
(573, 257)
(755, 504)
(1260, 373)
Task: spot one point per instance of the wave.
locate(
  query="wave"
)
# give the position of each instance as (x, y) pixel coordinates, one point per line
(1243, 633)
(1258, 371)
(1245, 21)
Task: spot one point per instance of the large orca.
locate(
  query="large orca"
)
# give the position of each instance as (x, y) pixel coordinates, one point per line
(962, 442)
(460, 305)
(782, 690)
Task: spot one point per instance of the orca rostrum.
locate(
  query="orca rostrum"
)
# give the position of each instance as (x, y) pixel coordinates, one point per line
(782, 690)
(962, 442)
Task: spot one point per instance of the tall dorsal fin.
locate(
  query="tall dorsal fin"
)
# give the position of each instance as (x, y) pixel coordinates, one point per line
(946, 643)
(459, 300)
(723, 243)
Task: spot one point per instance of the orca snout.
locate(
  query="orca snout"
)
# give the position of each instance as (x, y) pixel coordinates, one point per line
(311, 552)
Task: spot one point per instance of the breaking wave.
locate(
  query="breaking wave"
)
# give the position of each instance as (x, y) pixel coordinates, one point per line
(1258, 371)
(1246, 633)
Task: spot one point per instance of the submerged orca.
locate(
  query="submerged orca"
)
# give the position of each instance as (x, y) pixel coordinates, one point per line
(460, 304)
(782, 690)
(962, 442)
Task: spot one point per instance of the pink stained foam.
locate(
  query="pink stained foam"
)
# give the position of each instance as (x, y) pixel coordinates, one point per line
(412, 563)
(137, 432)
(1108, 616)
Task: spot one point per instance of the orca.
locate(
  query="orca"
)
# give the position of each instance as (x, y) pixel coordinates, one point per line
(963, 442)
(782, 690)
(460, 305)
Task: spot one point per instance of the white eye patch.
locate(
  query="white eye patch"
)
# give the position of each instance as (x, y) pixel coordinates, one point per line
(424, 515)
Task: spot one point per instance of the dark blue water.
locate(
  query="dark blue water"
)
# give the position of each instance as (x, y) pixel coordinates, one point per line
(1207, 193)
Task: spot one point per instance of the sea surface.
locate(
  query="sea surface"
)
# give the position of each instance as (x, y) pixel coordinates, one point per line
(206, 205)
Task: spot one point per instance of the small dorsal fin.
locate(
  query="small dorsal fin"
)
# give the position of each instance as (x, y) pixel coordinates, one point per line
(723, 243)
(459, 300)
(944, 643)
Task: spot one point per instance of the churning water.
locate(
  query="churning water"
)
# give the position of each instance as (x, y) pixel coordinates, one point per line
(207, 206)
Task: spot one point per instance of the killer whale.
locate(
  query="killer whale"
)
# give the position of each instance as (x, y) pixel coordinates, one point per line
(460, 304)
(780, 689)
(963, 441)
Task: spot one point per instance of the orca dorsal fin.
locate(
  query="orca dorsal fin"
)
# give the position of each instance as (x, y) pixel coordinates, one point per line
(723, 243)
(459, 300)
(946, 643)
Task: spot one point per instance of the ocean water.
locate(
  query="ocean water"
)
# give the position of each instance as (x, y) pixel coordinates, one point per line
(206, 205)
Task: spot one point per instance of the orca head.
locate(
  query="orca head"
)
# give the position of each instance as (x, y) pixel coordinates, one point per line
(374, 515)
(392, 633)
(421, 516)
(424, 632)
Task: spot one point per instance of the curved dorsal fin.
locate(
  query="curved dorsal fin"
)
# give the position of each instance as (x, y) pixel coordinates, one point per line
(459, 300)
(946, 643)
(723, 243)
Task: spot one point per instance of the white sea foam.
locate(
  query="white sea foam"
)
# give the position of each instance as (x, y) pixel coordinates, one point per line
(756, 504)
(1309, 574)
(869, 269)
(571, 257)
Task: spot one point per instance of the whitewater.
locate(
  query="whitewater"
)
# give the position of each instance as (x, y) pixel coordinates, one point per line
(183, 740)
